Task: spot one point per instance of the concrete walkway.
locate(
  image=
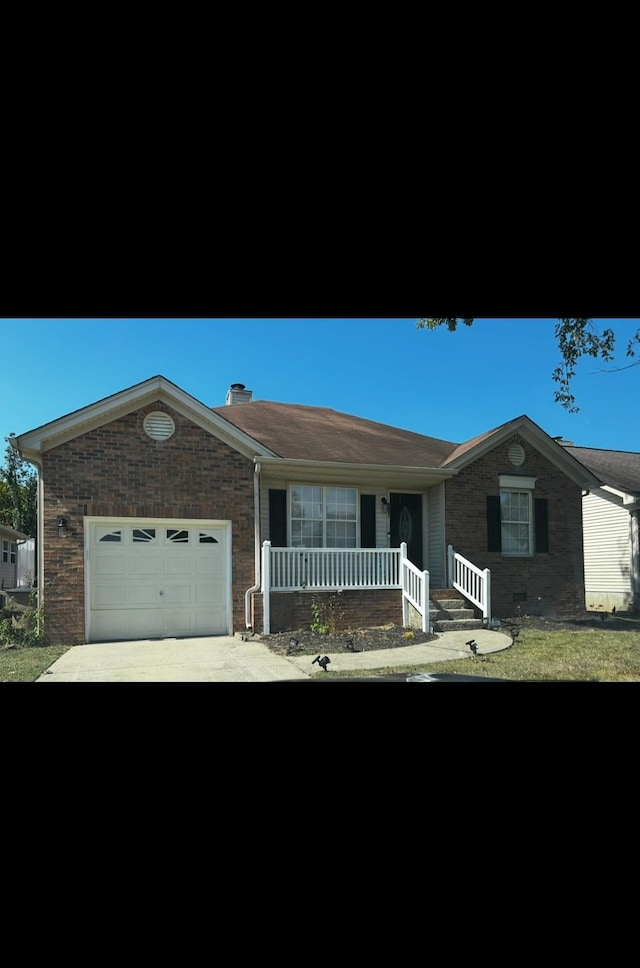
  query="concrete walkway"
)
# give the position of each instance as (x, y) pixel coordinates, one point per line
(230, 659)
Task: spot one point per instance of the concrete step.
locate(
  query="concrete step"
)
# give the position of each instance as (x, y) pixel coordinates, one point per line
(449, 604)
(457, 625)
(452, 615)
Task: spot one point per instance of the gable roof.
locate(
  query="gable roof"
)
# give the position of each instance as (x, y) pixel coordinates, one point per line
(297, 432)
(281, 433)
(618, 468)
(157, 389)
(472, 449)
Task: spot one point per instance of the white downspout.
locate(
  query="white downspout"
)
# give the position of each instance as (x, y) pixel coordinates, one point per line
(39, 520)
(256, 515)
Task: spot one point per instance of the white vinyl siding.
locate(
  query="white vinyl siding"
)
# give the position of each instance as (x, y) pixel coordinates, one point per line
(607, 553)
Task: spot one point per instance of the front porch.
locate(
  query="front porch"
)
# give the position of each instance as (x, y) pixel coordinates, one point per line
(363, 586)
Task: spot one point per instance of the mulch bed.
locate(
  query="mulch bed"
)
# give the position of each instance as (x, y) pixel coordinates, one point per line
(306, 642)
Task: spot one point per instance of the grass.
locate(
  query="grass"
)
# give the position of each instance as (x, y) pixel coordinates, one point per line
(25, 663)
(585, 655)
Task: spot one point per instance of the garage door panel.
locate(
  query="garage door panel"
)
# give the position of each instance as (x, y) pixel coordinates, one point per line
(145, 565)
(211, 618)
(108, 596)
(205, 595)
(210, 565)
(177, 594)
(144, 595)
(149, 579)
(110, 565)
(107, 626)
(143, 623)
(178, 565)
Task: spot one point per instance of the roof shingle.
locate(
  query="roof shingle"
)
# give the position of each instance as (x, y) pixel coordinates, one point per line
(299, 432)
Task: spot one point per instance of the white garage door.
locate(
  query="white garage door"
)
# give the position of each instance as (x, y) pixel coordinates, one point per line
(157, 579)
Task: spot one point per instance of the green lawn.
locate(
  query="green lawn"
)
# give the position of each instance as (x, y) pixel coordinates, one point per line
(590, 655)
(24, 663)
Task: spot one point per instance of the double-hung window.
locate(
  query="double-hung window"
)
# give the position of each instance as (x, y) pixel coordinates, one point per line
(517, 522)
(323, 517)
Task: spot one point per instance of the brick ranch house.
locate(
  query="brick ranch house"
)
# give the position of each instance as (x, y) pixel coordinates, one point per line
(161, 516)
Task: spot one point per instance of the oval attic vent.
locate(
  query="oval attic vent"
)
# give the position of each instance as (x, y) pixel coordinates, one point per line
(159, 425)
(516, 455)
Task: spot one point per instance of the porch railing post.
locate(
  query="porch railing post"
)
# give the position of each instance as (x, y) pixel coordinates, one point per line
(425, 601)
(451, 573)
(266, 586)
(487, 596)
(405, 601)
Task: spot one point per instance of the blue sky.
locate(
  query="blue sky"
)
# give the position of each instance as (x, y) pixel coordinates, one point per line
(447, 385)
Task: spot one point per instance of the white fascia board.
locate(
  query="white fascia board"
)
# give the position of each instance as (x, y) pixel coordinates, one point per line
(543, 443)
(281, 467)
(607, 494)
(104, 411)
(621, 498)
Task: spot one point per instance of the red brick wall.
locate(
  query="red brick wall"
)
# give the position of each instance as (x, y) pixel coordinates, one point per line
(117, 470)
(553, 583)
(293, 610)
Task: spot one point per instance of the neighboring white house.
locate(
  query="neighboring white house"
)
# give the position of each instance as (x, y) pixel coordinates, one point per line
(10, 541)
(611, 529)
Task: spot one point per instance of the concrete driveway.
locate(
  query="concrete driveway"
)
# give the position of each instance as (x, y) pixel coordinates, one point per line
(224, 658)
(219, 658)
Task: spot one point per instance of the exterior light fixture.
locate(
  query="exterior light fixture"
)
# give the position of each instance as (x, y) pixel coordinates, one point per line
(385, 504)
(62, 527)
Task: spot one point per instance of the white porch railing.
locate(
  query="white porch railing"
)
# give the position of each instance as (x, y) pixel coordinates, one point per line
(339, 569)
(471, 581)
(415, 590)
(293, 569)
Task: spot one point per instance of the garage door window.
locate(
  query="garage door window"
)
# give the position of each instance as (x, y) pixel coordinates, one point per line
(177, 537)
(112, 536)
(144, 535)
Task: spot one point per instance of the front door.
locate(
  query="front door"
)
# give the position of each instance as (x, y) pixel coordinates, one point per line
(406, 525)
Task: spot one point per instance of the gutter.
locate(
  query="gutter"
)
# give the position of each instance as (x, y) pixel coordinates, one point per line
(256, 519)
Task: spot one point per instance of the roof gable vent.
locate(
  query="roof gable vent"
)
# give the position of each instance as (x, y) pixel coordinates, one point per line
(159, 425)
(516, 454)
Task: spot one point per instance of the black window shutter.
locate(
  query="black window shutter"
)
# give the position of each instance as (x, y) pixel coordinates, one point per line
(542, 524)
(278, 518)
(494, 528)
(367, 520)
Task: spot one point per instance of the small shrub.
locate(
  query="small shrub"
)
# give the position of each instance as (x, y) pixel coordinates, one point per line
(328, 615)
(318, 623)
(23, 627)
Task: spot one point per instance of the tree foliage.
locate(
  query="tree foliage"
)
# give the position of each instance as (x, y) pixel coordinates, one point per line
(576, 337)
(18, 493)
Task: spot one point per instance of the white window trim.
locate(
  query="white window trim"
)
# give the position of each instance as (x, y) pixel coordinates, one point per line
(515, 484)
(324, 488)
